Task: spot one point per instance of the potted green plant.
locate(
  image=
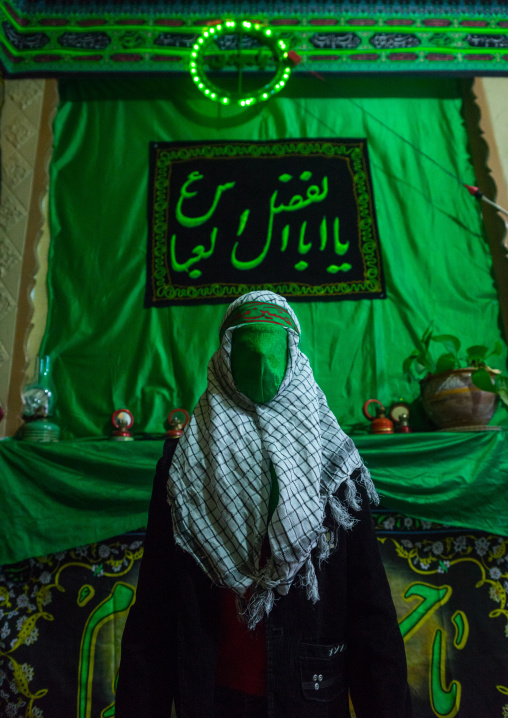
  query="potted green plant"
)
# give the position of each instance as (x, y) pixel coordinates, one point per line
(457, 390)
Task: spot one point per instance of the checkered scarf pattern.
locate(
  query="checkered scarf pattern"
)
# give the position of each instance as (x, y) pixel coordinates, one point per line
(219, 481)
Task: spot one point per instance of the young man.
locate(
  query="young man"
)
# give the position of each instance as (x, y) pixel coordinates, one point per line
(261, 591)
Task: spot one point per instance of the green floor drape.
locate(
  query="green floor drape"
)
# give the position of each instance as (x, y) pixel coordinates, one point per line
(109, 352)
(58, 496)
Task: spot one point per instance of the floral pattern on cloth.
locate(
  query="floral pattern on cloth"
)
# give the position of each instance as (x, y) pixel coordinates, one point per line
(438, 574)
(27, 594)
(449, 568)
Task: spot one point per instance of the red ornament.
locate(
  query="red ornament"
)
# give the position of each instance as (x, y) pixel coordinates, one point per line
(473, 191)
(379, 424)
(399, 414)
(294, 57)
(176, 426)
(122, 420)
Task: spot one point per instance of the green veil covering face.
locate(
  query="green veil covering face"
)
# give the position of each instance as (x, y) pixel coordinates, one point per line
(259, 356)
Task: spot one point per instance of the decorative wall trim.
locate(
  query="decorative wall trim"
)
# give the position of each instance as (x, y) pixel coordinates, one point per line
(9, 255)
(25, 141)
(45, 38)
(491, 174)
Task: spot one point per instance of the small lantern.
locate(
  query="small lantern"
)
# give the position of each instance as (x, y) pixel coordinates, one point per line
(177, 420)
(400, 414)
(122, 420)
(38, 401)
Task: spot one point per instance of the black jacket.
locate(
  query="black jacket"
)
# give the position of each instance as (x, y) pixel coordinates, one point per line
(350, 638)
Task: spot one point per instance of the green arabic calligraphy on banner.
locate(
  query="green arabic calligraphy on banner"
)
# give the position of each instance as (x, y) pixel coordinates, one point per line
(293, 217)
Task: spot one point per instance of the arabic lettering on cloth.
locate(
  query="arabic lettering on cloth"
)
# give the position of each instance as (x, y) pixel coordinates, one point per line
(297, 202)
(219, 482)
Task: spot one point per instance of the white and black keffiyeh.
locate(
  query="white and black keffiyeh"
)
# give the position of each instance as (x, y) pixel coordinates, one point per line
(219, 481)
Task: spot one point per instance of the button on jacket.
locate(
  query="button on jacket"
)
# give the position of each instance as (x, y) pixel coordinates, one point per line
(347, 642)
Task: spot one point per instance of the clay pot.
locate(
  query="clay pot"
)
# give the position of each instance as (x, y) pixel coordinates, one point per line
(452, 400)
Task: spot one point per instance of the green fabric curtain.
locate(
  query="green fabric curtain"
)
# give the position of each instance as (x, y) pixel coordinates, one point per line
(109, 352)
(58, 496)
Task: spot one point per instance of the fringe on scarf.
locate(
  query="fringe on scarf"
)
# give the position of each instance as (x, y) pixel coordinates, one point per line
(260, 603)
(324, 548)
(262, 600)
(339, 509)
(340, 514)
(369, 485)
(308, 580)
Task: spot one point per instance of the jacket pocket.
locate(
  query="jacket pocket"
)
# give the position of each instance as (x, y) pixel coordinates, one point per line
(323, 670)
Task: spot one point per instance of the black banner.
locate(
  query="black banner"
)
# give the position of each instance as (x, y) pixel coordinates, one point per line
(295, 217)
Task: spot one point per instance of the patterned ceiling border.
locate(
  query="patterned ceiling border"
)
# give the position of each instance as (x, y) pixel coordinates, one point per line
(346, 38)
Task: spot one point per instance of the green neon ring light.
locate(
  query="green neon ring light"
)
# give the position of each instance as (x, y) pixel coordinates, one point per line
(228, 27)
